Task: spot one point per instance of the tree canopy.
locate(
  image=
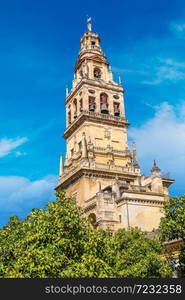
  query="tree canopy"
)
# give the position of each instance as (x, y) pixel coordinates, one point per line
(172, 226)
(57, 242)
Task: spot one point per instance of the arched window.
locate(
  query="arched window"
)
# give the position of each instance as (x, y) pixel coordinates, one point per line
(107, 190)
(93, 43)
(104, 103)
(116, 109)
(69, 117)
(75, 108)
(97, 73)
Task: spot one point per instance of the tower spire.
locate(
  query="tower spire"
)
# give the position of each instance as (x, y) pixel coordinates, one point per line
(135, 158)
(119, 79)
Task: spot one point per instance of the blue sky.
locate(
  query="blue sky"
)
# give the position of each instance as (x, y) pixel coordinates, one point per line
(144, 42)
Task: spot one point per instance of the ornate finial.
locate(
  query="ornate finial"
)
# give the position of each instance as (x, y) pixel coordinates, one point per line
(67, 91)
(89, 24)
(155, 169)
(135, 159)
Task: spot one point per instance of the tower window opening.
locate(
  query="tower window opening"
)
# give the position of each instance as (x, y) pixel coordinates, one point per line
(75, 108)
(80, 146)
(104, 103)
(69, 117)
(93, 43)
(92, 104)
(97, 73)
(116, 109)
(72, 152)
(81, 105)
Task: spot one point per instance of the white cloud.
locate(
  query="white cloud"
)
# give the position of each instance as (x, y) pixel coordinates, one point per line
(178, 29)
(19, 153)
(172, 62)
(163, 138)
(18, 195)
(166, 69)
(7, 145)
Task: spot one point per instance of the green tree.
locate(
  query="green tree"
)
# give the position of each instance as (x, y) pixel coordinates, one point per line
(58, 242)
(172, 225)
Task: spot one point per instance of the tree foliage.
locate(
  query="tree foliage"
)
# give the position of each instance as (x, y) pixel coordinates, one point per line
(172, 225)
(57, 242)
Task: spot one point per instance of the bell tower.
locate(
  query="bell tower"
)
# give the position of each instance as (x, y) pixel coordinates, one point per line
(99, 165)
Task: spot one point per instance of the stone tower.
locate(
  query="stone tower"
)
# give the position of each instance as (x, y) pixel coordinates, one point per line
(99, 170)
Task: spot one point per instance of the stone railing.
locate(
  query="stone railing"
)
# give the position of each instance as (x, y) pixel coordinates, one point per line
(99, 116)
(104, 116)
(114, 168)
(108, 149)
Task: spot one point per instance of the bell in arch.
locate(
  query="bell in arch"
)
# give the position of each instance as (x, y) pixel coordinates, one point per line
(104, 103)
(91, 103)
(104, 108)
(116, 110)
(91, 107)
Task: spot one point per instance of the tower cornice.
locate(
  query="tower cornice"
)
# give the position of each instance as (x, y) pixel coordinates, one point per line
(95, 118)
(90, 172)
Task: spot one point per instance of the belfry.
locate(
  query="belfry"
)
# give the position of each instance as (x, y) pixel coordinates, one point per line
(99, 169)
